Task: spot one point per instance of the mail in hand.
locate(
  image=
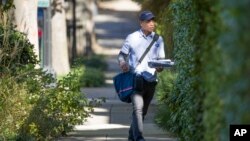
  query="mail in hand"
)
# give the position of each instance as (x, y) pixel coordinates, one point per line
(165, 63)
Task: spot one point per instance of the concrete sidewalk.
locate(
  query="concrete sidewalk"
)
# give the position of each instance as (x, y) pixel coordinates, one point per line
(111, 120)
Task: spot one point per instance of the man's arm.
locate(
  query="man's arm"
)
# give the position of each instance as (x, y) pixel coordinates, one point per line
(122, 60)
(159, 69)
(161, 54)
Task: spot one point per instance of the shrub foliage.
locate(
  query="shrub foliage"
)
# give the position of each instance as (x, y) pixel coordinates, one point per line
(33, 104)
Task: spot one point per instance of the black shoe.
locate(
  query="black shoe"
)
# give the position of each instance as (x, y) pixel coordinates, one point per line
(130, 139)
(141, 139)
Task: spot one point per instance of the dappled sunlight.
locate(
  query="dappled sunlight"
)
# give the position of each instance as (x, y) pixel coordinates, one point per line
(101, 18)
(109, 81)
(113, 25)
(99, 116)
(120, 5)
(103, 127)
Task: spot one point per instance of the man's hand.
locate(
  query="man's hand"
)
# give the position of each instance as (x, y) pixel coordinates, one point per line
(124, 66)
(159, 69)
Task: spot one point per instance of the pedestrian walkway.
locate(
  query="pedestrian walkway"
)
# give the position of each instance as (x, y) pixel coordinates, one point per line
(111, 120)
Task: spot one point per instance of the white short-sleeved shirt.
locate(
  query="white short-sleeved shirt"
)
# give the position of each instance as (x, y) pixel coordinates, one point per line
(135, 45)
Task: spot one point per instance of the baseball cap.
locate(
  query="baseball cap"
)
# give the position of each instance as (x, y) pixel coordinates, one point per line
(146, 15)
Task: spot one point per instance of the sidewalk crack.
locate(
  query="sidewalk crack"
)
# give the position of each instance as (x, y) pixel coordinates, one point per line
(110, 115)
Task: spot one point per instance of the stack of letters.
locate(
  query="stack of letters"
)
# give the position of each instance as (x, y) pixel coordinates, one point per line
(165, 63)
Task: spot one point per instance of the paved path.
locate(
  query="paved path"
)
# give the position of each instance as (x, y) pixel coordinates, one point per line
(110, 121)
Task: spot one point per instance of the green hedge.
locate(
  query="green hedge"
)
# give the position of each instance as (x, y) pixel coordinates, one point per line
(234, 42)
(211, 90)
(187, 88)
(165, 97)
(211, 59)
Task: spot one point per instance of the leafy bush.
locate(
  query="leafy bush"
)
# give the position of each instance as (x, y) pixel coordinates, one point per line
(15, 49)
(49, 111)
(92, 78)
(91, 71)
(94, 61)
(33, 105)
(57, 110)
(14, 106)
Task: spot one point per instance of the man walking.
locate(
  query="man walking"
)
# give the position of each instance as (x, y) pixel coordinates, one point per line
(133, 48)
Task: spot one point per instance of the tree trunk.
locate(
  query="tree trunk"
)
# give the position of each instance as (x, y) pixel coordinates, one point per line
(60, 59)
(26, 20)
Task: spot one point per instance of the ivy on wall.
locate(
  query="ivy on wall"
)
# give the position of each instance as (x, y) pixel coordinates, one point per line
(211, 90)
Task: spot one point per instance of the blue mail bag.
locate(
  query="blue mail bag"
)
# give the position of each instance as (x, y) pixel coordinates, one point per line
(124, 85)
